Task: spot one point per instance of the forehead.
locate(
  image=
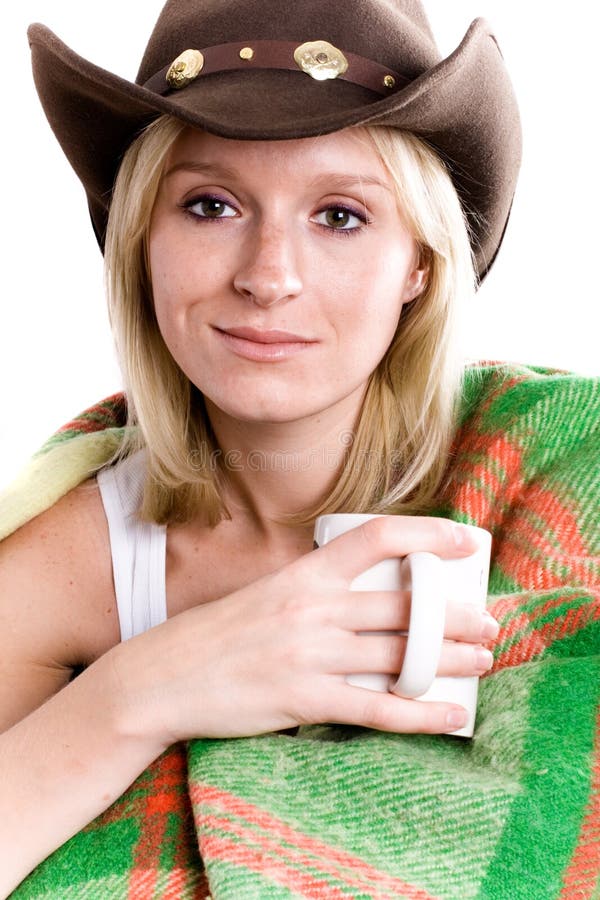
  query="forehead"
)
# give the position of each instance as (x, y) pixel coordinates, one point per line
(349, 151)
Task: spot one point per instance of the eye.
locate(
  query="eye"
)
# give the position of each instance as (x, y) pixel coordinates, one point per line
(207, 206)
(338, 216)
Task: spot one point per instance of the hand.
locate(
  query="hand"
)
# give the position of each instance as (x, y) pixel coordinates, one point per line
(275, 653)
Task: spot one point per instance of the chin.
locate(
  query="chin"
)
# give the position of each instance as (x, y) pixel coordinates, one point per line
(268, 406)
(266, 415)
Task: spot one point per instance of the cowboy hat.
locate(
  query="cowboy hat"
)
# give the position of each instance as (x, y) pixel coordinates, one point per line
(260, 70)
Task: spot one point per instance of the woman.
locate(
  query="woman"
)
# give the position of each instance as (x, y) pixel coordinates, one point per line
(285, 283)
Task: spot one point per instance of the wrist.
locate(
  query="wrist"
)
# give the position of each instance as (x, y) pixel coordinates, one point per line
(134, 706)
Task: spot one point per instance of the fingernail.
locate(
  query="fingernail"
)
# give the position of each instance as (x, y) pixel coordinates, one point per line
(457, 718)
(490, 627)
(462, 536)
(483, 660)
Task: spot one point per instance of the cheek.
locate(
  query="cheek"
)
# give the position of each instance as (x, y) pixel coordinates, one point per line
(183, 269)
(165, 270)
(373, 294)
(168, 279)
(173, 274)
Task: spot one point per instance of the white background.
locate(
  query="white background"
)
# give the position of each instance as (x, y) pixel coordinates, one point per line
(539, 305)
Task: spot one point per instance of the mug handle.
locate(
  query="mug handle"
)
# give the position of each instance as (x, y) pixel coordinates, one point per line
(426, 626)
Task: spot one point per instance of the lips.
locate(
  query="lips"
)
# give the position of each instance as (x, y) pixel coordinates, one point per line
(269, 345)
(270, 336)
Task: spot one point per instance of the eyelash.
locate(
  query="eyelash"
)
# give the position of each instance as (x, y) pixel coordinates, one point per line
(344, 232)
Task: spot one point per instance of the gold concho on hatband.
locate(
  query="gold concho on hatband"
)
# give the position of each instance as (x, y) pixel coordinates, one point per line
(321, 60)
(185, 68)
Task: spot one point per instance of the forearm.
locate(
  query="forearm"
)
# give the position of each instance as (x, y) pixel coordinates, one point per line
(62, 766)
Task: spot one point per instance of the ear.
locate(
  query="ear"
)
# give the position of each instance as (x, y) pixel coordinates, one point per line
(418, 278)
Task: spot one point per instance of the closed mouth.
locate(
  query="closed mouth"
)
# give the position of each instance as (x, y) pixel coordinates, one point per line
(267, 336)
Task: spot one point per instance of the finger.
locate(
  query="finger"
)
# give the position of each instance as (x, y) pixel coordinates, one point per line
(468, 622)
(371, 610)
(387, 712)
(384, 652)
(381, 610)
(394, 536)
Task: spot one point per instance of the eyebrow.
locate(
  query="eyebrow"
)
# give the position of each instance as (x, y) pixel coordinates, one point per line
(338, 179)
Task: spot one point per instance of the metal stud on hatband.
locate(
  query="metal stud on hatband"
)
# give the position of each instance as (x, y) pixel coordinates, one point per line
(321, 60)
(184, 69)
(246, 53)
(389, 81)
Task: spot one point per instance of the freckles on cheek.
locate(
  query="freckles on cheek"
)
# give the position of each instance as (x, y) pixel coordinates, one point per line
(167, 283)
(160, 285)
(158, 269)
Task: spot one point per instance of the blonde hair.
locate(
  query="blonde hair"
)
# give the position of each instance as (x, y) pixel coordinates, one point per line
(399, 453)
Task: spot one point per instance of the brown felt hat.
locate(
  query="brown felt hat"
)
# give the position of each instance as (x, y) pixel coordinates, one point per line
(266, 70)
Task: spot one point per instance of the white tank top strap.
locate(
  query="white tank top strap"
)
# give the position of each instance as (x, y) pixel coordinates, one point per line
(138, 549)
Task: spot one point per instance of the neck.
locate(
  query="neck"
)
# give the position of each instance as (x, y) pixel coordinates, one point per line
(277, 469)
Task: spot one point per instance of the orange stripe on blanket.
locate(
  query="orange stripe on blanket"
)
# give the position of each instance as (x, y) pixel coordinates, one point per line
(204, 794)
(297, 859)
(142, 881)
(503, 606)
(164, 798)
(486, 488)
(165, 776)
(166, 780)
(82, 426)
(534, 643)
(524, 651)
(110, 412)
(163, 790)
(179, 882)
(583, 873)
(560, 519)
(301, 883)
(525, 621)
(475, 500)
(175, 885)
(487, 402)
(530, 557)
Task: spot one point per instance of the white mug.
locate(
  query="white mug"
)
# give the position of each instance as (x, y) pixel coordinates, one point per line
(432, 582)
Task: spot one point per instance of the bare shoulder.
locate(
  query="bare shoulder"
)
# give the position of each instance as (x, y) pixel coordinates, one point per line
(57, 596)
(57, 601)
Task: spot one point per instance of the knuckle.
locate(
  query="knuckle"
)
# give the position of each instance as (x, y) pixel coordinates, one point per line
(373, 713)
(374, 530)
(471, 622)
(443, 531)
(394, 650)
(404, 717)
(298, 703)
(295, 610)
(297, 655)
(456, 659)
(307, 703)
(432, 722)
(383, 532)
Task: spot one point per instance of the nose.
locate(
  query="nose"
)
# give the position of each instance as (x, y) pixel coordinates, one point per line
(268, 271)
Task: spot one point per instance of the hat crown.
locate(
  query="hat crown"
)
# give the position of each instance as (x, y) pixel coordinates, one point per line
(398, 33)
(462, 105)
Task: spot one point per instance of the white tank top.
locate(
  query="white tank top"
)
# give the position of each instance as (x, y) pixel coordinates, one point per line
(138, 549)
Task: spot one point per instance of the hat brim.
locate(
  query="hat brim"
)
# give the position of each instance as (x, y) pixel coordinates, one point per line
(464, 106)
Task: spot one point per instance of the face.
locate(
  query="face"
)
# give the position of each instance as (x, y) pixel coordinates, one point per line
(279, 270)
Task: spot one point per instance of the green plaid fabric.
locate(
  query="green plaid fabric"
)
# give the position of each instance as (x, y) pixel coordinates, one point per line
(342, 812)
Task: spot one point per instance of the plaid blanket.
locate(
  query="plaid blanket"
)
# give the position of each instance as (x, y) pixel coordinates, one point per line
(345, 812)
